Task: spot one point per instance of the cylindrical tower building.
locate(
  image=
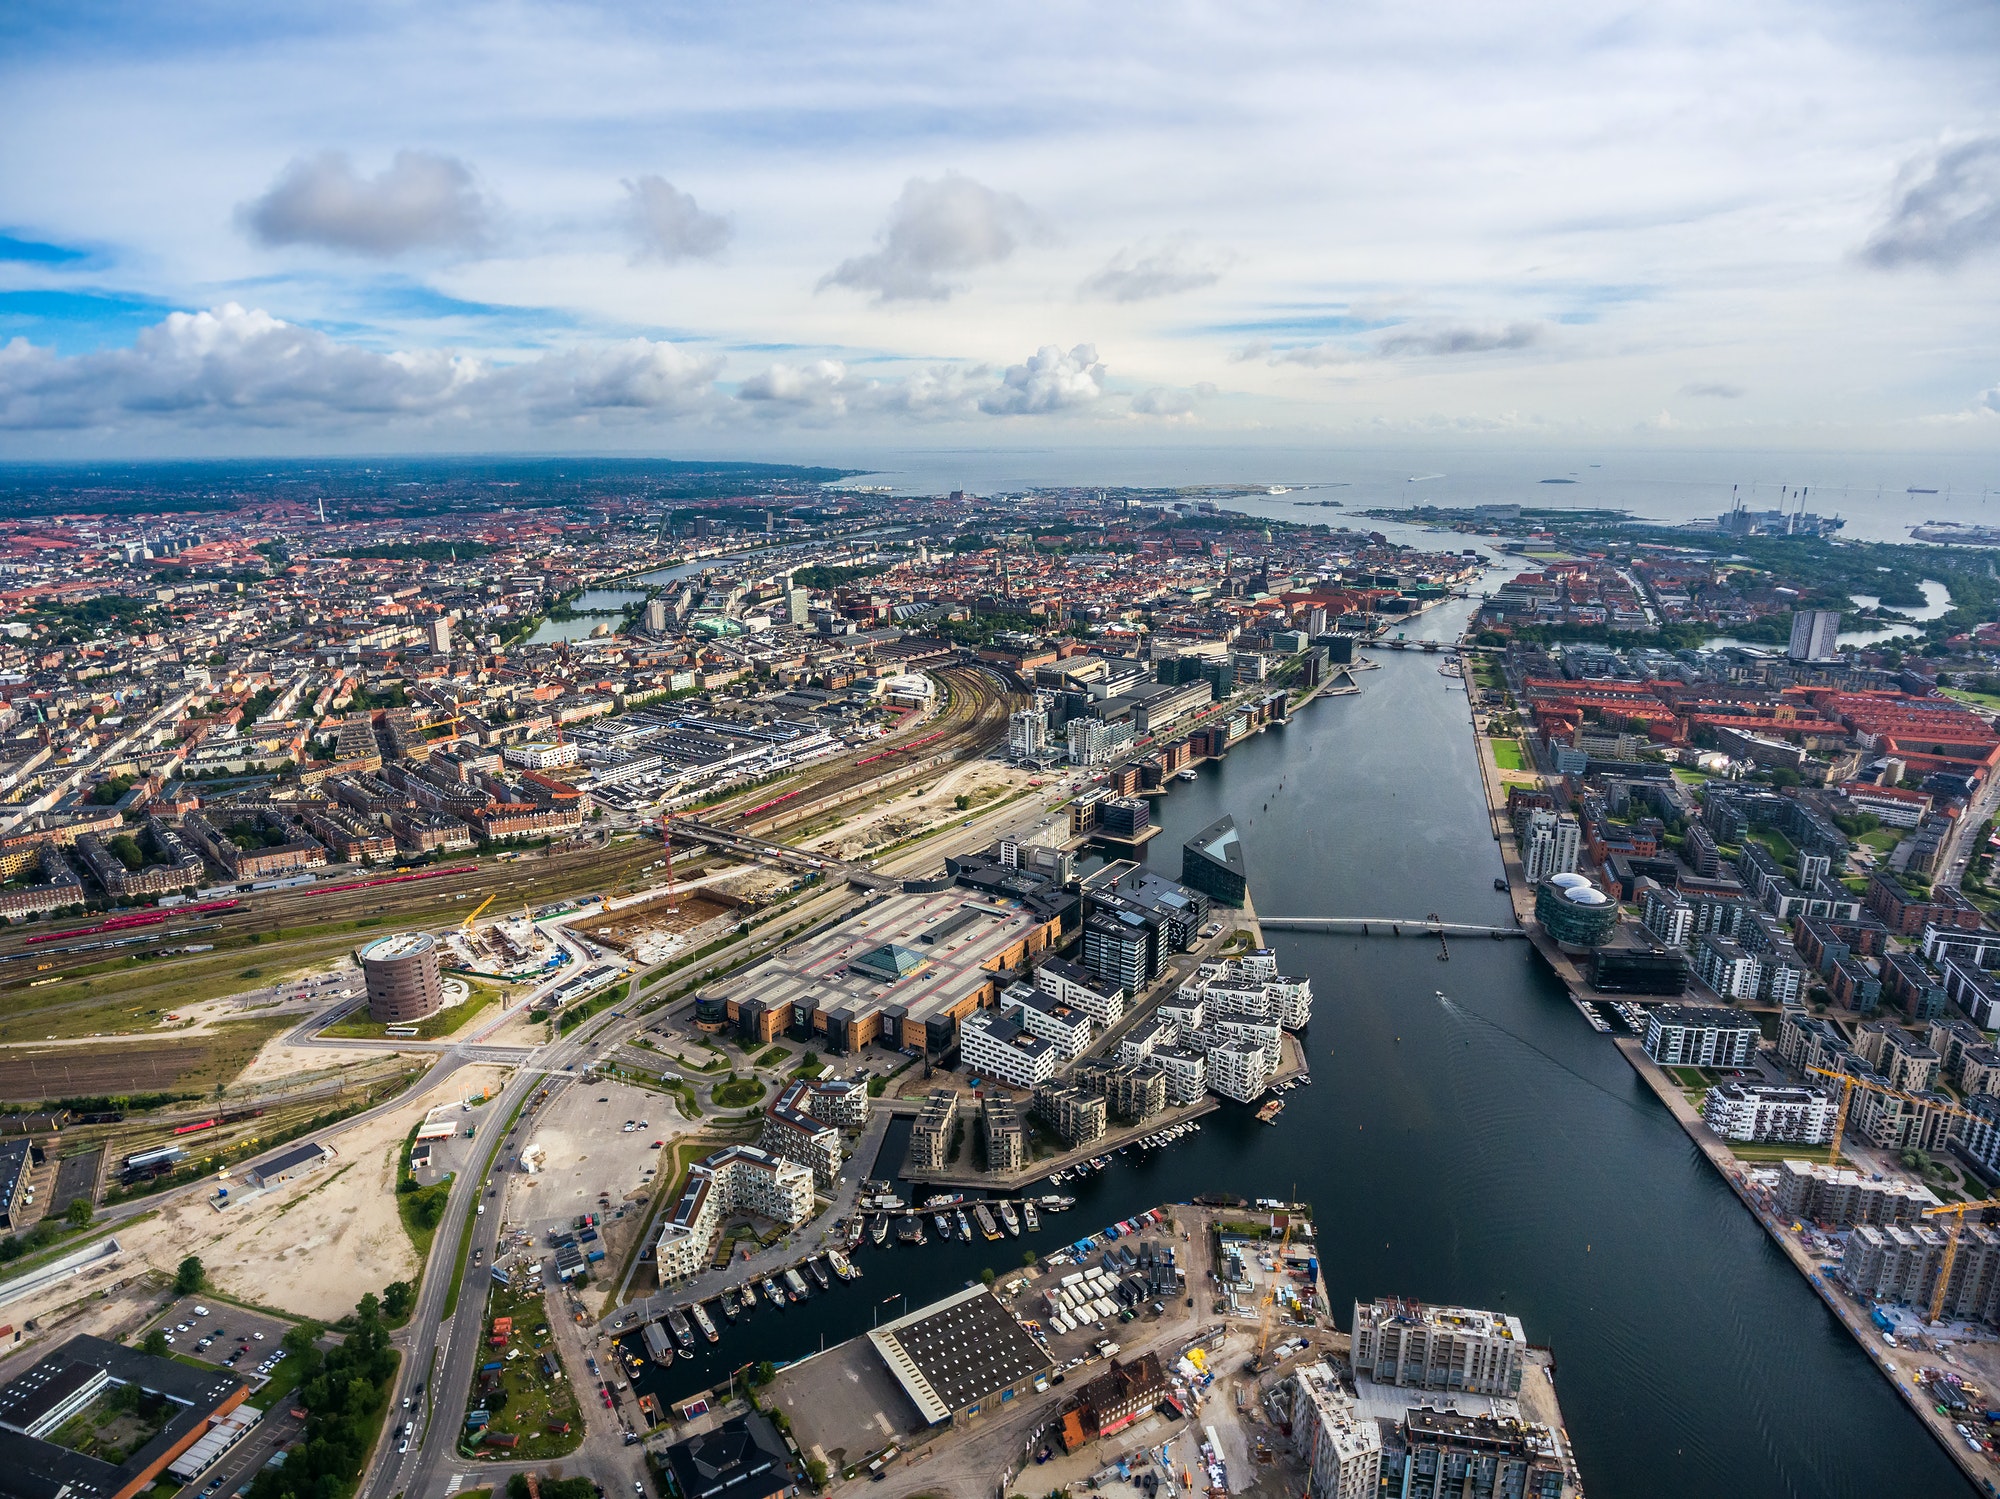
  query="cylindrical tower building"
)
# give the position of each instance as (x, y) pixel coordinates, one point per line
(402, 974)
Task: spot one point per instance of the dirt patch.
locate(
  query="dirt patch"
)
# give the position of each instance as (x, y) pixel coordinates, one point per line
(313, 1246)
(656, 920)
(161, 1065)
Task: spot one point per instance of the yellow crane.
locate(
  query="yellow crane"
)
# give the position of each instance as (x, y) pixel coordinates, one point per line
(465, 926)
(1850, 1082)
(1270, 1302)
(1956, 1211)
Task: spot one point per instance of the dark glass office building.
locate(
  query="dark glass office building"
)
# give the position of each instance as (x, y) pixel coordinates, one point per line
(1212, 862)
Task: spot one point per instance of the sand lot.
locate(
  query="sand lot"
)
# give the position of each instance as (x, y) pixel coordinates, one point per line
(280, 1061)
(314, 1246)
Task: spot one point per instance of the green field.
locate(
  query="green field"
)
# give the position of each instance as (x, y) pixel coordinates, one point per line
(1508, 756)
(446, 1022)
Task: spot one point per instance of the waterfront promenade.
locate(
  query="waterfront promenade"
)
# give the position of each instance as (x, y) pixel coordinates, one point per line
(1900, 1365)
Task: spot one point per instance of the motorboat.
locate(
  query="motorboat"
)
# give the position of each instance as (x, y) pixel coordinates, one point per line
(703, 1321)
(795, 1285)
(964, 1226)
(943, 1225)
(842, 1265)
(771, 1292)
(1010, 1220)
(1030, 1217)
(678, 1322)
(817, 1267)
(878, 1229)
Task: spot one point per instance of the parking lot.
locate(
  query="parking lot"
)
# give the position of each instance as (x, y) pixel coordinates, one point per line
(244, 1342)
(595, 1153)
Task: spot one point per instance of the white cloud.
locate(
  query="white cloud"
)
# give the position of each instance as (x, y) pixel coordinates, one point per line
(1945, 209)
(1048, 380)
(1462, 340)
(1158, 400)
(937, 227)
(1713, 390)
(669, 225)
(421, 201)
(1130, 276)
(234, 367)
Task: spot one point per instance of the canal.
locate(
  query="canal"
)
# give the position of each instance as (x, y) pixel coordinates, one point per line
(1467, 1138)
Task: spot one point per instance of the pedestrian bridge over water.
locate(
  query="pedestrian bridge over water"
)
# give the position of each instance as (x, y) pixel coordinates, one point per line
(1385, 926)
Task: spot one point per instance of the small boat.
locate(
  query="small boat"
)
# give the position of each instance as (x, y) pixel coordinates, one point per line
(683, 1333)
(1500, 883)
(943, 1225)
(1030, 1217)
(1054, 1203)
(748, 1291)
(856, 1227)
(985, 1221)
(817, 1267)
(944, 1199)
(842, 1265)
(1186, 775)
(1269, 1113)
(771, 1292)
(702, 1320)
(964, 1226)
(728, 1304)
(910, 1229)
(795, 1285)
(878, 1229)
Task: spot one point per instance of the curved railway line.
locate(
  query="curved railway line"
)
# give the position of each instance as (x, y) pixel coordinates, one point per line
(145, 971)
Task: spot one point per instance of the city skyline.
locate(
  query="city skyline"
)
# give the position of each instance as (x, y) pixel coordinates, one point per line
(486, 228)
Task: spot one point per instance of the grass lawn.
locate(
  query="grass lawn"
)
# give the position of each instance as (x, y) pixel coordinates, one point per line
(1774, 843)
(1507, 754)
(1691, 777)
(1987, 700)
(1743, 1150)
(774, 1056)
(1689, 1077)
(1883, 840)
(738, 1093)
(445, 1022)
(521, 1395)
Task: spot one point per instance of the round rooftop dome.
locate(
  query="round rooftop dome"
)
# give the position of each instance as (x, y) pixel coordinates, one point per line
(1584, 895)
(1570, 881)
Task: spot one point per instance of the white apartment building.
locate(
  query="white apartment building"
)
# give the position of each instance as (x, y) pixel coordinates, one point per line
(1238, 1070)
(1725, 967)
(1700, 1036)
(1081, 990)
(540, 754)
(1754, 1111)
(1251, 986)
(1550, 845)
(1063, 1027)
(738, 1179)
(995, 1046)
(1028, 735)
(1668, 917)
(1425, 1347)
(1143, 1040)
(1342, 1446)
(1186, 1068)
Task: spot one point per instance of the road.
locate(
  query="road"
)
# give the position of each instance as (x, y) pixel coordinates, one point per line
(442, 1354)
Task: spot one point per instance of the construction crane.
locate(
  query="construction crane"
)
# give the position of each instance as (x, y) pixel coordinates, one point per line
(1956, 1211)
(465, 926)
(1851, 1082)
(1270, 1302)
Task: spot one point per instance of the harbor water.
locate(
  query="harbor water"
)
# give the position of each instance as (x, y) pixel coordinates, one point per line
(1466, 1138)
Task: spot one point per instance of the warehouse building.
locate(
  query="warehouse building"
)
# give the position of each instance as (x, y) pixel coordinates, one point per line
(958, 1357)
(289, 1165)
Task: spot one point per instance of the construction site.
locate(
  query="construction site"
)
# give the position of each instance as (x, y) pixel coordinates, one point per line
(510, 948)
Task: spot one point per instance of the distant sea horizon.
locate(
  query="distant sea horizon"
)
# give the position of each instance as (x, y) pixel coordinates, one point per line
(1879, 494)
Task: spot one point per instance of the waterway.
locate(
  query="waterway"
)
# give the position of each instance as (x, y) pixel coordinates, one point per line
(1483, 1146)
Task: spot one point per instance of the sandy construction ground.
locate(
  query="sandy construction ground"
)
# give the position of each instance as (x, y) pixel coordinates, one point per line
(281, 1062)
(314, 1246)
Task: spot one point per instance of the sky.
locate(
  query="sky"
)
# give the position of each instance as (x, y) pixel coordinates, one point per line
(756, 228)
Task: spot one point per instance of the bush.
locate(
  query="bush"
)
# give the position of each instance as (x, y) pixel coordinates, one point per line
(398, 1297)
(343, 1390)
(816, 1472)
